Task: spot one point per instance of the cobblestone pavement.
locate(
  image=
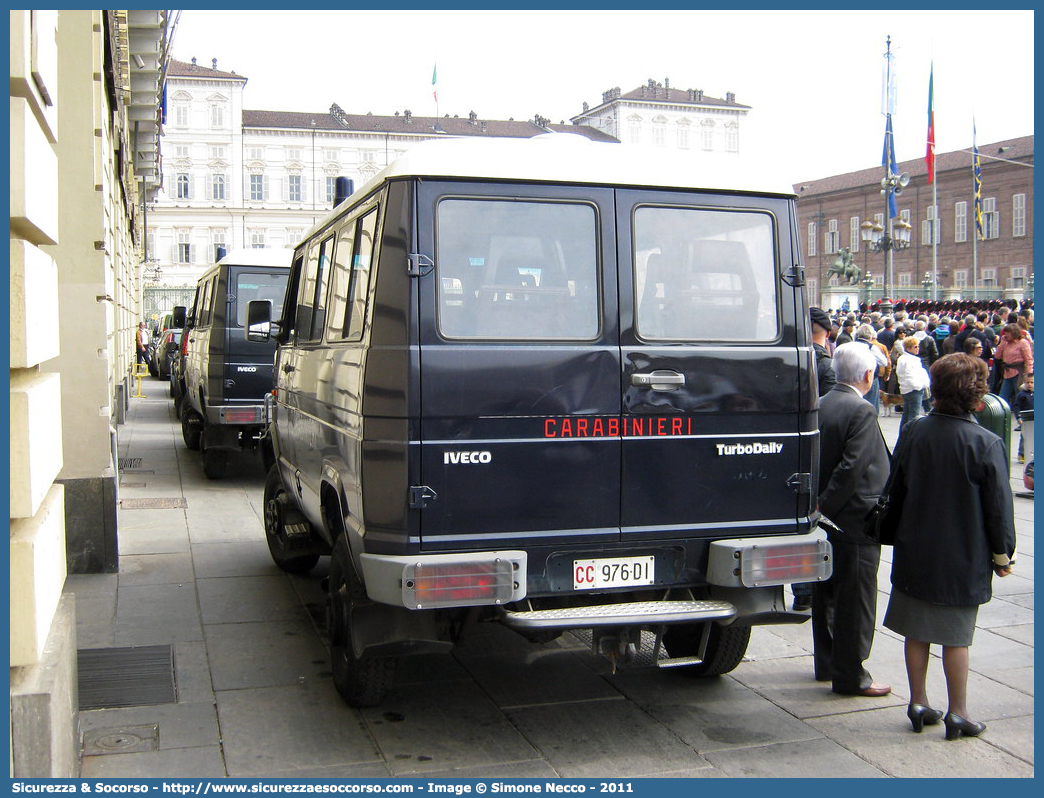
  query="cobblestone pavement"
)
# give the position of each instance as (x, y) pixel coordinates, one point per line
(255, 696)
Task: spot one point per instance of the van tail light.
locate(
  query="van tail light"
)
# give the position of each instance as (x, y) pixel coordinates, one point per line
(170, 338)
(457, 584)
(774, 565)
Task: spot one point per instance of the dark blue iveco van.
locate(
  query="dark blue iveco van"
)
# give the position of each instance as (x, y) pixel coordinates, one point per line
(550, 384)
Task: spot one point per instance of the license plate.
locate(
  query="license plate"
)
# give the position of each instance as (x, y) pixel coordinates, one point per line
(613, 572)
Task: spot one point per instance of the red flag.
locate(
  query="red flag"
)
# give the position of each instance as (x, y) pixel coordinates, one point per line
(929, 155)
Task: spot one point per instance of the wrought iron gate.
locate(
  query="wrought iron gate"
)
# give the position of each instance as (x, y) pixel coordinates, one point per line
(157, 301)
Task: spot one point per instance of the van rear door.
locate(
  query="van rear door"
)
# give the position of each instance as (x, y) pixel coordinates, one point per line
(248, 364)
(519, 365)
(714, 386)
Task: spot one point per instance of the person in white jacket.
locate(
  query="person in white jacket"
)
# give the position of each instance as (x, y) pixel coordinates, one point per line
(913, 380)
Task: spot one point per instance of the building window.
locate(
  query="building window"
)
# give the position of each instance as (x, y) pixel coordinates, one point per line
(217, 241)
(331, 188)
(960, 278)
(989, 278)
(181, 151)
(294, 235)
(960, 222)
(732, 137)
(258, 188)
(707, 135)
(367, 156)
(184, 186)
(217, 115)
(683, 135)
(853, 234)
(811, 239)
(217, 187)
(330, 156)
(294, 188)
(1018, 215)
(257, 239)
(659, 132)
(990, 218)
(832, 238)
(292, 154)
(1018, 277)
(930, 229)
(181, 115)
(904, 280)
(218, 152)
(634, 131)
(184, 247)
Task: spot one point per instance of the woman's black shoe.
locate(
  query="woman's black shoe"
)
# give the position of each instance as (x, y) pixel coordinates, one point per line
(956, 726)
(921, 716)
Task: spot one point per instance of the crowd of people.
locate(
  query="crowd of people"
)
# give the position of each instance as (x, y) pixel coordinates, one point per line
(949, 516)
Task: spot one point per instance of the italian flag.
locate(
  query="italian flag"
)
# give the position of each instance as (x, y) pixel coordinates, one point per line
(434, 82)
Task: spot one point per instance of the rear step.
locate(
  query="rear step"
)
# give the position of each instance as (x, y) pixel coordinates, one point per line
(624, 614)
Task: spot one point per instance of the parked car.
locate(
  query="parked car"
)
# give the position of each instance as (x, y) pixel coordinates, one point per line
(224, 377)
(166, 351)
(551, 384)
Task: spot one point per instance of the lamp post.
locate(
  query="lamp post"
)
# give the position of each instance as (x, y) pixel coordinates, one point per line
(868, 284)
(926, 284)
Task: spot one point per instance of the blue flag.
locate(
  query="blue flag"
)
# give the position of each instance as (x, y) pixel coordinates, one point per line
(977, 175)
(888, 159)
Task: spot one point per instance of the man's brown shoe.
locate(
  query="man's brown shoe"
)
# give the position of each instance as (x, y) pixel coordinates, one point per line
(875, 690)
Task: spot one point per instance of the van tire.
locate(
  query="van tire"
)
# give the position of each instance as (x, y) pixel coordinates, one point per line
(214, 462)
(725, 647)
(362, 682)
(278, 509)
(191, 427)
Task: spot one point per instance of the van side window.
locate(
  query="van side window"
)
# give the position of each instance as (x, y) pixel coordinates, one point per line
(321, 281)
(351, 279)
(704, 275)
(340, 280)
(203, 319)
(306, 295)
(511, 270)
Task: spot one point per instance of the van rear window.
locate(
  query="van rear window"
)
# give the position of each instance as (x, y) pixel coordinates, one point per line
(704, 275)
(517, 270)
(258, 285)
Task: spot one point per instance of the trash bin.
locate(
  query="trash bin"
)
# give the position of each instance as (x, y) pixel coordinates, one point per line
(995, 416)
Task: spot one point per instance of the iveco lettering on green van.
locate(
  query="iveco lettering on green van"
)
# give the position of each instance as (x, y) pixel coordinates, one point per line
(553, 384)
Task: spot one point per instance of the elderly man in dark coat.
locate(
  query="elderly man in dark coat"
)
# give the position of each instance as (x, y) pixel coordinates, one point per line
(853, 473)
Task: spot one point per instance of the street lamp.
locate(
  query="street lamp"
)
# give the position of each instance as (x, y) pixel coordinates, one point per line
(877, 238)
(868, 284)
(926, 284)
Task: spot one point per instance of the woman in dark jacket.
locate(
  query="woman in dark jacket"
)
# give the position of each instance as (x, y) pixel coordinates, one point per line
(946, 552)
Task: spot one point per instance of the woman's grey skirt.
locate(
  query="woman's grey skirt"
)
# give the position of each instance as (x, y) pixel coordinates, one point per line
(930, 623)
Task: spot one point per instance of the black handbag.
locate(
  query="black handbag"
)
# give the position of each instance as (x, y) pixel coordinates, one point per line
(875, 525)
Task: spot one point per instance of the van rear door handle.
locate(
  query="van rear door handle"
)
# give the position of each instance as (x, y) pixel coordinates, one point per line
(659, 380)
(287, 368)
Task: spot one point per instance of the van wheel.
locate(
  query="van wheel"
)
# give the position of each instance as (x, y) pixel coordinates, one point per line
(725, 646)
(279, 511)
(191, 427)
(362, 682)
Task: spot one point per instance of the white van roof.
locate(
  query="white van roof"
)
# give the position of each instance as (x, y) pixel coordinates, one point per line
(568, 158)
(259, 257)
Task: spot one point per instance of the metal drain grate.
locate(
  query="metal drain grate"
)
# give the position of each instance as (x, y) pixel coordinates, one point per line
(126, 677)
(153, 504)
(130, 462)
(124, 740)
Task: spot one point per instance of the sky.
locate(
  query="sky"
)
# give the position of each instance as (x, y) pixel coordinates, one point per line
(812, 78)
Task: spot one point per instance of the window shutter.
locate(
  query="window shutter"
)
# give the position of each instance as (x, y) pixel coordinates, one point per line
(264, 184)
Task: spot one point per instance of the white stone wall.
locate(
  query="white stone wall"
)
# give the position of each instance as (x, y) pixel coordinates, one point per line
(37, 504)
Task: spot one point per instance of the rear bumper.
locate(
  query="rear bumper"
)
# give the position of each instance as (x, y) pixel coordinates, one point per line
(744, 579)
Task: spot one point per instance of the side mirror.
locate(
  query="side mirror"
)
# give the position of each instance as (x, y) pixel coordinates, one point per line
(178, 316)
(259, 326)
